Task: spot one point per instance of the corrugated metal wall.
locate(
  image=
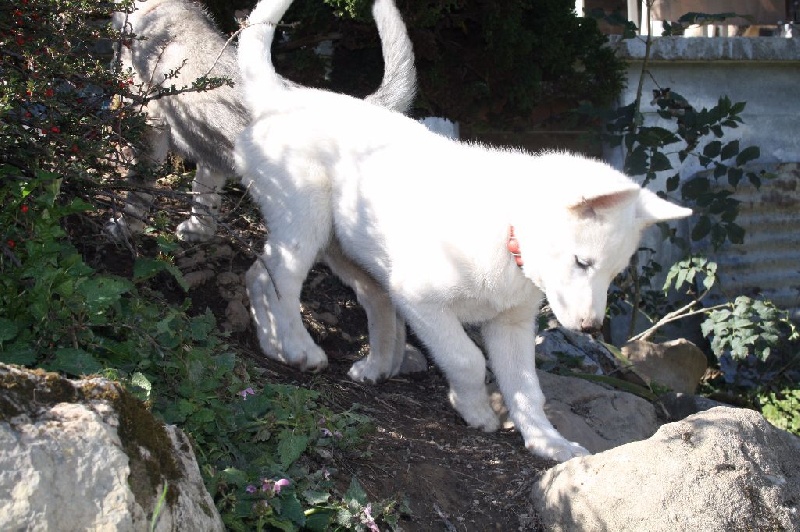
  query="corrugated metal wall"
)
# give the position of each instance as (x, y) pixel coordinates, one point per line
(767, 265)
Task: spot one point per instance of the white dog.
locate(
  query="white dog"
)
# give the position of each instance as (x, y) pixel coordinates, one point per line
(181, 44)
(447, 232)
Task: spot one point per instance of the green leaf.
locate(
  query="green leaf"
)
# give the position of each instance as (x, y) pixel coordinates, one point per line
(315, 498)
(234, 476)
(748, 154)
(319, 520)
(355, 493)
(146, 268)
(75, 362)
(730, 150)
(291, 508)
(673, 182)
(21, 356)
(694, 187)
(103, 292)
(712, 149)
(291, 446)
(735, 233)
(701, 228)
(8, 330)
(735, 176)
(659, 162)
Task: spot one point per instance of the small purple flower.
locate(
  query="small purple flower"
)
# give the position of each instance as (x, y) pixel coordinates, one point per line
(326, 433)
(369, 520)
(282, 483)
(274, 486)
(250, 488)
(247, 391)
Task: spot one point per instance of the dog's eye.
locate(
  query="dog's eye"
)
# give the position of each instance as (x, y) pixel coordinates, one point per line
(583, 264)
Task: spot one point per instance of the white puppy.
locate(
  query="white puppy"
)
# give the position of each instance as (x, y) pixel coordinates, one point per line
(179, 44)
(449, 232)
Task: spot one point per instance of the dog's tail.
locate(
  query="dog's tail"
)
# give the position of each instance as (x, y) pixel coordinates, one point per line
(259, 77)
(397, 90)
(399, 85)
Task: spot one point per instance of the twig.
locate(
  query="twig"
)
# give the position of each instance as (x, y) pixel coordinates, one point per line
(683, 312)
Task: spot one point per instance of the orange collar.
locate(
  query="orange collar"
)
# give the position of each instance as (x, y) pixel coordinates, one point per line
(513, 246)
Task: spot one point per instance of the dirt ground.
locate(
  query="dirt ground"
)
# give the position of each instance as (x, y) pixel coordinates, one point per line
(453, 477)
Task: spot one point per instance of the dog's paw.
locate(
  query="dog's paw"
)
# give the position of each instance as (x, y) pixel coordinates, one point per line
(477, 412)
(558, 449)
(192, 230)
(119, 229)
(307, 356)
(368, 371)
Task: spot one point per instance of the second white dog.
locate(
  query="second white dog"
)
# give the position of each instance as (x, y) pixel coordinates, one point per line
(176, 44)
(448, 232)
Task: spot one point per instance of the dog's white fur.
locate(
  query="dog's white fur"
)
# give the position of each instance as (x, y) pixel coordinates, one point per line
(418, 221)
(179, 36)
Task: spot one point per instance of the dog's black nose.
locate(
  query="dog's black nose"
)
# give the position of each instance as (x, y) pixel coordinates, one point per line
(591, 327)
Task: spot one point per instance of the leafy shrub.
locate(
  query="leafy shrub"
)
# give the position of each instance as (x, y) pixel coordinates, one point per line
(782, 409)
(262, 447)
(511, 64)
(753, 342)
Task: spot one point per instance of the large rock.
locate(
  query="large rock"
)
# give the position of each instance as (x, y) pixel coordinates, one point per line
(86, 455)
(596, 416)
(678, 364)
(720, 470)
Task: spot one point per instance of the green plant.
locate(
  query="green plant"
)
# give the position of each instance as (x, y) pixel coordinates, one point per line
(516, 64)
(751, 339)
(782, 409)
(60, 141)
(652, 153)
(748, 327)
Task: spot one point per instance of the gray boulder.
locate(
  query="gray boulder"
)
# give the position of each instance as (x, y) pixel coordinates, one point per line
(724, 469)
(598, 417)
(86, 455)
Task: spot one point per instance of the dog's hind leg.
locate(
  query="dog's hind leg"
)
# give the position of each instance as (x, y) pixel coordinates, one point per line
(206, 202)
(138, 202)
(510, 339)
(387, 331)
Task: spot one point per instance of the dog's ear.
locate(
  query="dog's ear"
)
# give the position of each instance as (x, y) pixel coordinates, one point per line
(651, 209)
(588, 207)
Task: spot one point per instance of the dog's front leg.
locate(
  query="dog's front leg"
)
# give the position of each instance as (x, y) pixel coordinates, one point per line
(459, 359)
(510, 340)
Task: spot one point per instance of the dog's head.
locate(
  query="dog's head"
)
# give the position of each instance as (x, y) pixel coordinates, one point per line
(589, 238)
